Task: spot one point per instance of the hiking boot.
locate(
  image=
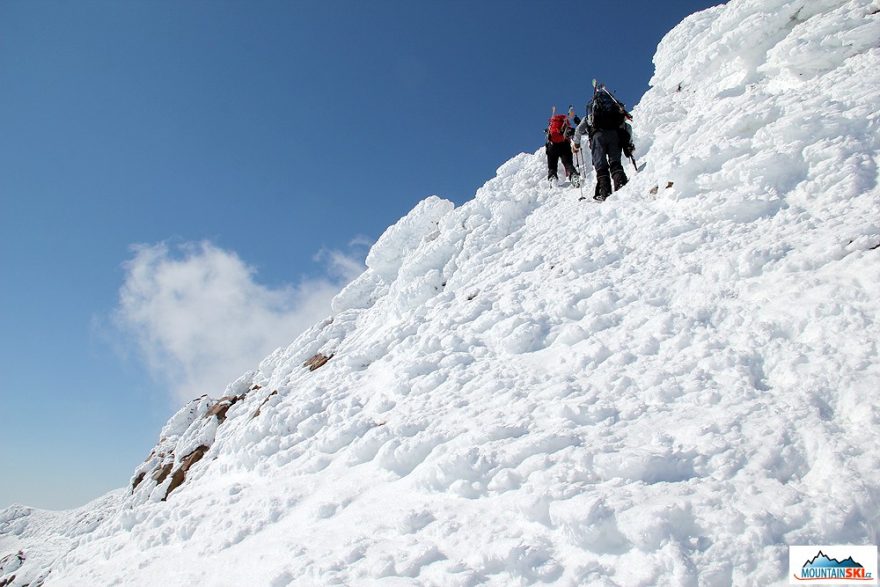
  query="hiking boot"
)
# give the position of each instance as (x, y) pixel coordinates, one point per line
(619, 178)
(576, 179)
(603, 188)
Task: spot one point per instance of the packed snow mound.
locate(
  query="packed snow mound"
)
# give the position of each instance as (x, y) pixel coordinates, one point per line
(668, 388)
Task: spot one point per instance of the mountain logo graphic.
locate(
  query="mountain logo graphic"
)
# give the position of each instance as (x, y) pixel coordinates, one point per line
(831, 569)
(823, 560)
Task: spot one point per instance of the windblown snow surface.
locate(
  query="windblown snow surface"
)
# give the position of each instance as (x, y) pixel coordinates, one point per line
(668, 388)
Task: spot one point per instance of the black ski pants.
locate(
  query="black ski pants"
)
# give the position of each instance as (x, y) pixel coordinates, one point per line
(555, 152)
(606, 148)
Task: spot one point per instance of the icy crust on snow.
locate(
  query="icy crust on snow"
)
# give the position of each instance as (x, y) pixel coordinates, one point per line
(387, 261)
(781, 99)
(386, 256)
(42, 537)
(668, 388)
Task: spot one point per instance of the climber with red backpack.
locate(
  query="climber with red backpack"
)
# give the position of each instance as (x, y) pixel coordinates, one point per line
(559, 133)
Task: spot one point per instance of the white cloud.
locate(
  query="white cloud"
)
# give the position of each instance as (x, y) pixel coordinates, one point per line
(201, 319)
(340, 265)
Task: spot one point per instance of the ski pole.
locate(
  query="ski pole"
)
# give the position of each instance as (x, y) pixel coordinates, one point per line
(579, 157)
(633, 159)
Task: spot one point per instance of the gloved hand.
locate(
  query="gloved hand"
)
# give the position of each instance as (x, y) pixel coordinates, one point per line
(575, 147)
(629, 149)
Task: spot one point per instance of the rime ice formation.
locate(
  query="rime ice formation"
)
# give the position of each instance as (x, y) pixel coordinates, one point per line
(668, 388)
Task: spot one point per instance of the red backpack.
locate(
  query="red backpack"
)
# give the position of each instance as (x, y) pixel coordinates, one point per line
(556, 130)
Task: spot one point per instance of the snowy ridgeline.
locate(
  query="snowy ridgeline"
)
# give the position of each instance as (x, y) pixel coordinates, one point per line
(665, 389)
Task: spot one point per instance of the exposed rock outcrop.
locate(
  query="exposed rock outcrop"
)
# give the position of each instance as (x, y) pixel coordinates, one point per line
(317, 361)
(184, 441)
(179, 475)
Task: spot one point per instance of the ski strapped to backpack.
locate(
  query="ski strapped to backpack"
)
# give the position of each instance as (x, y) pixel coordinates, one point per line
(601, 88)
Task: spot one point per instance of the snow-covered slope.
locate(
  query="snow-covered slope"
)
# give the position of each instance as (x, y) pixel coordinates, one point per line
(665, 389)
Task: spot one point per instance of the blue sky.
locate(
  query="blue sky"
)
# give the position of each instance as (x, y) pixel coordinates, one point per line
(182, 183)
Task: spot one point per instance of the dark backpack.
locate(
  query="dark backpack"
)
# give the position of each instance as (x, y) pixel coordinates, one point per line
(605, 112)
(556, 130)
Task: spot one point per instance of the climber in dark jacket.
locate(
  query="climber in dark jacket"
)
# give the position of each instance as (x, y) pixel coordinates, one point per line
(610, 136)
